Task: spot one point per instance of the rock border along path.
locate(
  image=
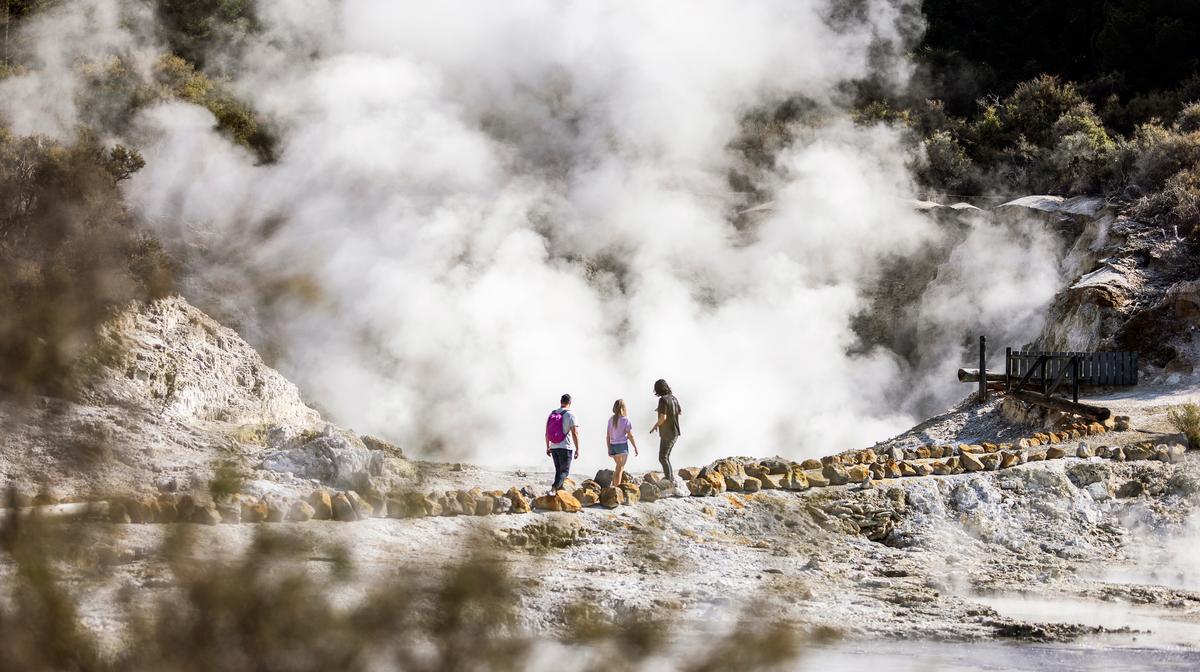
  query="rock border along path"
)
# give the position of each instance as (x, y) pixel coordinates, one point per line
(861, 467)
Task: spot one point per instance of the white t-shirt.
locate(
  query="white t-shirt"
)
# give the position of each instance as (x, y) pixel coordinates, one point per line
(568, 423)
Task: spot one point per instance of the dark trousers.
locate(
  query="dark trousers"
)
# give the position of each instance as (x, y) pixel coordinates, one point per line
(562, 467)
(665, 444)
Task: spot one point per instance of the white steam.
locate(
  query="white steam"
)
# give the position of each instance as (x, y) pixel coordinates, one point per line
(499, 203)
(43, 99)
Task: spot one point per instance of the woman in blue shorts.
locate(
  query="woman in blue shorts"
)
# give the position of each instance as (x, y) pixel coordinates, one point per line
(620, 435)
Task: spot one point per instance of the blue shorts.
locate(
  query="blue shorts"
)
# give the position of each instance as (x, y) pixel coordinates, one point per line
(618, 448)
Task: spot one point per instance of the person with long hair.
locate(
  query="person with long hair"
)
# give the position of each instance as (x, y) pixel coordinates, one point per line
(620, 436)
(667, 425)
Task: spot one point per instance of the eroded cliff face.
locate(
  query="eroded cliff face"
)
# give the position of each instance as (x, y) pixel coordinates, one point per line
(1097, 290)
(171, 358)
(1132, 287)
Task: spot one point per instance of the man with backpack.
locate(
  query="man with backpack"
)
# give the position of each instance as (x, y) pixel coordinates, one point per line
(562, 441)
(667, 425)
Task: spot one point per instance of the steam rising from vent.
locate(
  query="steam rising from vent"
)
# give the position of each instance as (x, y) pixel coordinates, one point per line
(479, 206)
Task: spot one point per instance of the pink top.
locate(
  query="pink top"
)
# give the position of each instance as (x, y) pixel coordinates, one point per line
(619, 433)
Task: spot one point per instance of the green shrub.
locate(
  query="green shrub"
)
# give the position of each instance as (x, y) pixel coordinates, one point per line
(1154, 154)
(114, 89)
(195, 28)
(1188, 120)
(1035, 106)
(879, 112)
(1177, 202)
(1083, 153)
(946, 165)
(177, 78)
(1080, 119)
(989, 133)
(1186, 418)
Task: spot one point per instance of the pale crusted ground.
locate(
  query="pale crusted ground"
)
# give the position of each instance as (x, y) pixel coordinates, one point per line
(974, 556)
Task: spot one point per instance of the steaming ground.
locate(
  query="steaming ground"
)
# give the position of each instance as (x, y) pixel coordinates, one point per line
(1035, 555)
(474, 210)
(1027, 555)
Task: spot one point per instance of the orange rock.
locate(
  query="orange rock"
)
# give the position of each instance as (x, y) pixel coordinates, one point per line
(322, 505)
(567, 502)
(254, 510)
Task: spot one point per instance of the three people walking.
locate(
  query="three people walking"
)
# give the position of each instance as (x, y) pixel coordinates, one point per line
(562, 435)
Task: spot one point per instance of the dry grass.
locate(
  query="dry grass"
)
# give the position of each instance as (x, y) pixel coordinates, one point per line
(1186, 418)
(269, 610)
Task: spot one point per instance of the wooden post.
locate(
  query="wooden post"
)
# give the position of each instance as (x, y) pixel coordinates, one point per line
(983, 369)
(1007, 369)
(1075, 379)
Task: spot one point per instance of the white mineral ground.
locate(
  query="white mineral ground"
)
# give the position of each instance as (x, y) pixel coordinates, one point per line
(979, 559)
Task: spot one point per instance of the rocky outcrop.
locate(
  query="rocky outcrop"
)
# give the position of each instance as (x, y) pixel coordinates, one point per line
(1092, 309)
(333, 456)
(1132, 287)
(172, 358)
(1183, 298)
(168, 395)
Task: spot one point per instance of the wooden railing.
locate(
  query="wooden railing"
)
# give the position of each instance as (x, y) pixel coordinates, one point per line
(1094, 368)
(1031, 371)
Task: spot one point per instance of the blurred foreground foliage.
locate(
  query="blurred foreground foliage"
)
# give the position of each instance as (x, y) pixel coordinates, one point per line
(270, 608)
(261, 610)
(69, 255)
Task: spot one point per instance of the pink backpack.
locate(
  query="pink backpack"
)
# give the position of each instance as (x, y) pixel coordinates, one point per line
(554, 427)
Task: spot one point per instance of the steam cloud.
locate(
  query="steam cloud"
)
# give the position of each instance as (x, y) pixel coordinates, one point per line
(491, 204)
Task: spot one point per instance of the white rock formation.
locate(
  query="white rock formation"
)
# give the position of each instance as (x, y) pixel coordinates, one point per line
(171, 356)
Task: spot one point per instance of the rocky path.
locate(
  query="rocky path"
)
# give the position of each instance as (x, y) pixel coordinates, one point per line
(844, 542)
(879, 466)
